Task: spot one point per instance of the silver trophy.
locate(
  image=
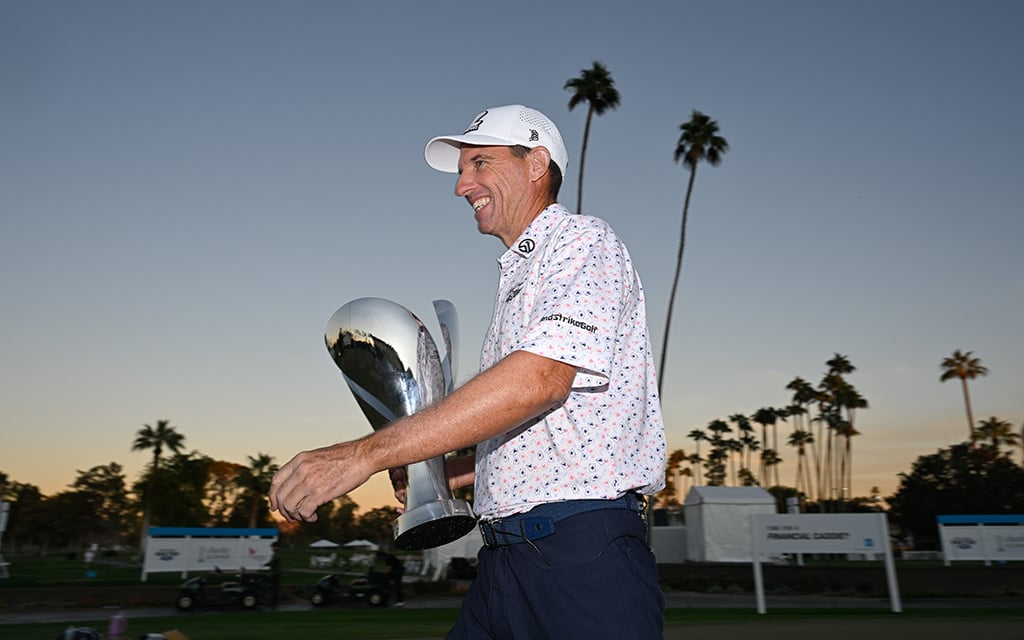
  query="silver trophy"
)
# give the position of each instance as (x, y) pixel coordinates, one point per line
(391, 364)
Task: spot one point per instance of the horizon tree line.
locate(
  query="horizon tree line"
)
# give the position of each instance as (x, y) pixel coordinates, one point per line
(822, 422)
(176, 488)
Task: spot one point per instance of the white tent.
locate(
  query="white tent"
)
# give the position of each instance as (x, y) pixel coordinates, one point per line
(323, 544)
(361, 544)
(718, 522)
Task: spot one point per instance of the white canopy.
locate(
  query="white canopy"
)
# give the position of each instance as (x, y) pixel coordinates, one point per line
(323, 544)
(718, 522)
(360, 544)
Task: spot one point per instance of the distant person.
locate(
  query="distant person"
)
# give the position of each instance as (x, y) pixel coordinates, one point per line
(564, 414)
(394, 570)
(274, 565)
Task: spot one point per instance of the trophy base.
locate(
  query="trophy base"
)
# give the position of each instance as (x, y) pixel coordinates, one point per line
(433, 524)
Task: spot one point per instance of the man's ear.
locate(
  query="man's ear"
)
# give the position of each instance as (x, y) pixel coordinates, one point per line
(540, 159)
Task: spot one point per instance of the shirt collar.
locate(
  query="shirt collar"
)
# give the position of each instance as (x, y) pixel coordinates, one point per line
(538, 231)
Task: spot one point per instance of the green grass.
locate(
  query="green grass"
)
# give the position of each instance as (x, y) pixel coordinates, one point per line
(50, 571)
(707, 624)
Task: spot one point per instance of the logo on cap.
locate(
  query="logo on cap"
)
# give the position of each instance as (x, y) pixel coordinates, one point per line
(476, 124)
(534, 136)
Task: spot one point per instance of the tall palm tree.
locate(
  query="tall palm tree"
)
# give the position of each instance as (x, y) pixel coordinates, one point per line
(782, 415)
(800, 439)
(699, 141)
(158, 438)
(595, 87)
(697, 435)
(804, 394)
(966, 367)
(718, 457)
(765, 416)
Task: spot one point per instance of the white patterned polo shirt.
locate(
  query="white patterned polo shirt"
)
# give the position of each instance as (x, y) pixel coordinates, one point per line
(568, 291)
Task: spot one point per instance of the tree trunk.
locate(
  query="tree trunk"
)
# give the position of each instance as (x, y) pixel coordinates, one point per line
(970, 418)
(675, 280)
(583, 157)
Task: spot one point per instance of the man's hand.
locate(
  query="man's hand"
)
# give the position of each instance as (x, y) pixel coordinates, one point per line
(400, 483)
(315, 477)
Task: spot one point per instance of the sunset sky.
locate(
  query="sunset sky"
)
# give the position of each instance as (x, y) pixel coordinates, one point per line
(189, 190)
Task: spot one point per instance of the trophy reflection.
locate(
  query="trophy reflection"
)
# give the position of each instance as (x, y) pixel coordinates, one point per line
(392, 366)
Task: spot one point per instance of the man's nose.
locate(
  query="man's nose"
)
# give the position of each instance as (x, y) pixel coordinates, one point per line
(463, 185)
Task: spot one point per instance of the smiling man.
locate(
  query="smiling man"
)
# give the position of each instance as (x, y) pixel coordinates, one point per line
(564, 412)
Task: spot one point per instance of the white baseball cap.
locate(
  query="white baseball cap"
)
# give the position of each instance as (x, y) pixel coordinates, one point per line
(506, 126)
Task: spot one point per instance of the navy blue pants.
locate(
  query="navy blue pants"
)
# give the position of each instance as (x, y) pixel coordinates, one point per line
(595, 577)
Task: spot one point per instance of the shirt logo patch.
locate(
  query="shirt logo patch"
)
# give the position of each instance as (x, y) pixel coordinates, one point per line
(527, 246)
(513, 293)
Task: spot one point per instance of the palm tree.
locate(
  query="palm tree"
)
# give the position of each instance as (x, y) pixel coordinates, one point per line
(158, 438)
(765, 416)
(770, 460)
(966, 367)
(804, 394)
(697, 435)
(595, 87)
(255, 480)
(998, 432)
(695, 461)
(746, 437)
(698, 141)
(781, 415)
(800, 439)
(751, 445)
(718, 457)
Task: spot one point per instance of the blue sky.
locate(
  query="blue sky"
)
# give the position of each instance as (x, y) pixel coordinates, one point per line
(189, 190)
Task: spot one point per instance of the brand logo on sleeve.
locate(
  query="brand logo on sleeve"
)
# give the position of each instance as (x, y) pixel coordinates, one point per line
(579, 324)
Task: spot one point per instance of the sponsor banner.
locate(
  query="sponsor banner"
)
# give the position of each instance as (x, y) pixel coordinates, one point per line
(820, 533)
(982, 542)
(206, 554)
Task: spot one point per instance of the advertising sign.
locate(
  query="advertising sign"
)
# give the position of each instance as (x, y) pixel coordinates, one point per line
(981, 537)
(822, 533)
(187, 549)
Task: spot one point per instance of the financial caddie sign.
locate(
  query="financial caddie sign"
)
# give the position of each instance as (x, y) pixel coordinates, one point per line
(774, 534)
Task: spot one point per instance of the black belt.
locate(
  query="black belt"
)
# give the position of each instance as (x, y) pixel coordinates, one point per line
(539, 522)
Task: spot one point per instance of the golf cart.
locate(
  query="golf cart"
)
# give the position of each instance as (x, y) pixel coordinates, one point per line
(200, 592)
(374, 589)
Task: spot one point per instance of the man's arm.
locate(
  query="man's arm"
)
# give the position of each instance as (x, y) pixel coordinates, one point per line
(461, 471)
(520, 386)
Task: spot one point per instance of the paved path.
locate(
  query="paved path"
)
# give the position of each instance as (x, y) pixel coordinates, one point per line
(674, 600)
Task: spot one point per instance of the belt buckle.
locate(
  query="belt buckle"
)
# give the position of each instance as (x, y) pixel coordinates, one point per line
(641, 505)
